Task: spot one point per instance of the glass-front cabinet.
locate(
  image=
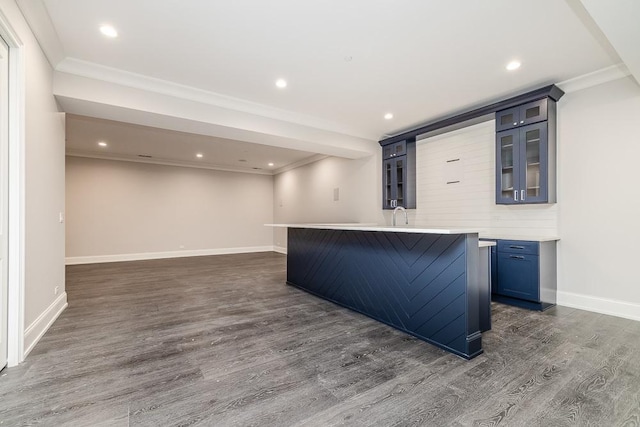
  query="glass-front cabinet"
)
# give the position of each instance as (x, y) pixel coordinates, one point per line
(395, 177)
(522, 165)
(398, 175)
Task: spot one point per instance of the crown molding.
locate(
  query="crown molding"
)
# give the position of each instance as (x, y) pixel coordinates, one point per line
(300, 163)
(614, 72)
(166, 162)
(164, 87)
(38, 19)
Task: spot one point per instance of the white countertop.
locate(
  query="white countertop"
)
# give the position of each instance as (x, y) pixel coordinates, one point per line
(374, 227)
(357, 226)
(502, 236)
(486, 243)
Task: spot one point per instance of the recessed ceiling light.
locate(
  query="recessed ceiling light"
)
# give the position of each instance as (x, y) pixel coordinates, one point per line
(281, 83)
(102, 144)
(108, 31)
(388, 116)
(270, 164)
(513, 65)
(199, 155)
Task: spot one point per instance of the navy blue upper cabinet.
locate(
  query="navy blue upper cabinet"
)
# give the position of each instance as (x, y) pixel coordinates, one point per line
(394, 150)
(525, 155)
(522, 115)
(399, 175)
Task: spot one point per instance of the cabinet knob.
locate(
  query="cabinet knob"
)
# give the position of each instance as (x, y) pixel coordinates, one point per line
(515, 123)
(521, 121)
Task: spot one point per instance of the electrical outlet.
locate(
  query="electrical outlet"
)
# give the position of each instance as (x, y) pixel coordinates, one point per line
(336, 194)
(55, 290)
(61, 217)
(181, 246)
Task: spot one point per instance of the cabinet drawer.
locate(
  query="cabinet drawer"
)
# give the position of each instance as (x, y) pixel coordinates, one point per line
(518, 247)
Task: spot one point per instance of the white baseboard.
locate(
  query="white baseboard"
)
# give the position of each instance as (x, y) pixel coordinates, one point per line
(37, 329)
(600, 305)
(280, 249)
(160, 255)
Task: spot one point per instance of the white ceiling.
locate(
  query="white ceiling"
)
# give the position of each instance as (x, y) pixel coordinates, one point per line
(134, 142)
(347, 62)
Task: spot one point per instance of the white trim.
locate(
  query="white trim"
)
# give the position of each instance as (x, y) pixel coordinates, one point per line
(600, 305)
(300, 163)
(280, 249)
(41, 325)
(595, 78)
(103, 73)
(37, 16)
(160, 255)
(16, 255)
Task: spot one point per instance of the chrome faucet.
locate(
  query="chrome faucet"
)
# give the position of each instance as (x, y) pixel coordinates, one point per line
(400, 208)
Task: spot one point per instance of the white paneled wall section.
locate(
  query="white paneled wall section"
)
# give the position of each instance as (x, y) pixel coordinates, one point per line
(467, 156)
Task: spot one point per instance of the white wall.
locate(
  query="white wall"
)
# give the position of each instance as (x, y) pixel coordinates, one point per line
(471, 202)
(306, 194)
(599, 199)
(123, 210)
(44, 186)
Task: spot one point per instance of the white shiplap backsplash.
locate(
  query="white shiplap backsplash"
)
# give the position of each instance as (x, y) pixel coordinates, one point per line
(471, 201)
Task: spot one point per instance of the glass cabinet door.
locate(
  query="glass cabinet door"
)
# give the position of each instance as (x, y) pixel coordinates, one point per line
(387, 175)
(401, 173)
(394, 150)
(400, 149)
(533, 112)
(534, 165)
(507, 150)
(507, 119)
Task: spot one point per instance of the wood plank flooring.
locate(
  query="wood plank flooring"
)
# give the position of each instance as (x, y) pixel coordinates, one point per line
(222, 341)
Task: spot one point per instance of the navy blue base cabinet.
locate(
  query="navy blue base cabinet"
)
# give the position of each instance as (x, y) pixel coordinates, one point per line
(424, 284)
(526, 273)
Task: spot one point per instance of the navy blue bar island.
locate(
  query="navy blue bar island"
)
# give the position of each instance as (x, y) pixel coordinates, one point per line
(422, 281)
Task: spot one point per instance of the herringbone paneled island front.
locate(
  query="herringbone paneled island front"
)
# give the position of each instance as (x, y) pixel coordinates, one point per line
(422, 281)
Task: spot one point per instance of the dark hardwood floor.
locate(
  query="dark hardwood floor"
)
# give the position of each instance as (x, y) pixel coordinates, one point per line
(222, 341)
